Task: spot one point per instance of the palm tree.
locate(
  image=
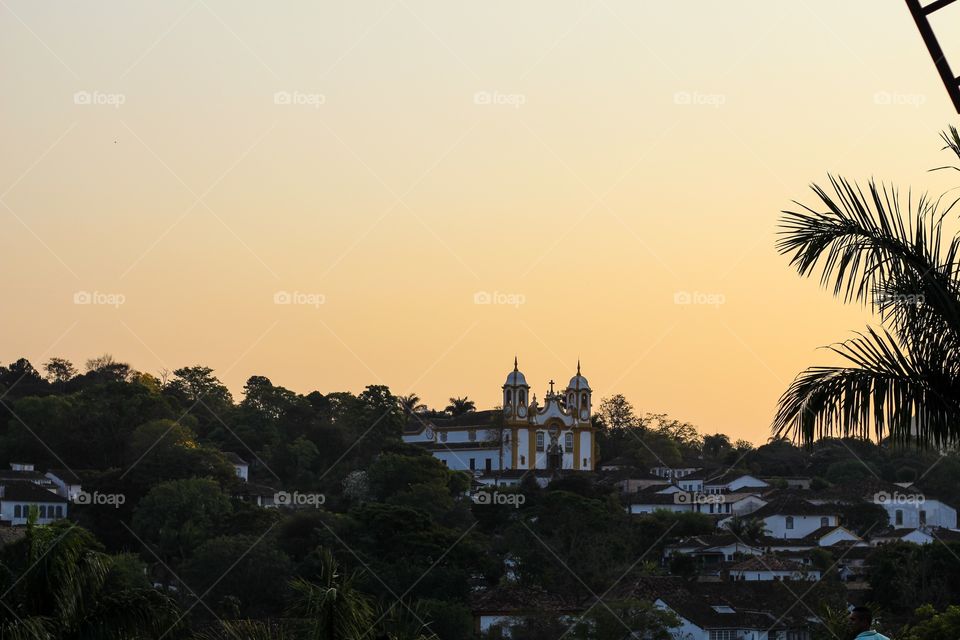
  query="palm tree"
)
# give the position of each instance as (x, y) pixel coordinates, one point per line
(460, 406)
(409, 405)
(55, 582)
(890, 253)
(338, 610)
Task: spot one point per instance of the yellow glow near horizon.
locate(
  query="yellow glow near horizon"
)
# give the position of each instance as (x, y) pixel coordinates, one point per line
(383, 163)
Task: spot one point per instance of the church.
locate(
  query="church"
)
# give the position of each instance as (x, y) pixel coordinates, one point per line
(518, 437)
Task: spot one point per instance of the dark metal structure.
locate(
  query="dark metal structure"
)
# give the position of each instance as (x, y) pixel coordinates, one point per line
(921, 15)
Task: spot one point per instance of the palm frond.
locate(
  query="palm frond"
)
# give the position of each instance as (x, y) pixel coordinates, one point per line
(878, 249)
(889, 392)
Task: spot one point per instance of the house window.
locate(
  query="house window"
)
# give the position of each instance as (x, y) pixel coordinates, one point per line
(723, 634)
(17, 511)
(789, 522)
(59, 512)
(899, 517)
(43, 511)
(472, 435)
(487, 465)
(443, 436)
(568, 442)
(539, 440)
(473, 464)
(824, 522)
(923, 518)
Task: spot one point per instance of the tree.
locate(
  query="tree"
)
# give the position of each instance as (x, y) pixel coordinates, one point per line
(59, 371)
(338, 610)
(889, 254)
(747, 529)
(105, 369)
(716, 446)
(460, 406)
(179, 515)
(617, 413)
(246, 573)
(931, 625)
(58, 584)
(198, 384)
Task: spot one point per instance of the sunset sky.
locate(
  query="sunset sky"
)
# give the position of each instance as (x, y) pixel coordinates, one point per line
(387, 167)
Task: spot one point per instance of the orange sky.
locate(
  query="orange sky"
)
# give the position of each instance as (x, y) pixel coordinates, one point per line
(187, 162)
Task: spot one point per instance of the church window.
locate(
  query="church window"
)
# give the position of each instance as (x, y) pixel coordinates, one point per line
(583, 399)
(509, 396)
(523, 397)
(789, 522)
(539, 440)
(568, 442)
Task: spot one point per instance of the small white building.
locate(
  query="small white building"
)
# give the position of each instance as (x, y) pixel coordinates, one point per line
(67, 483)
(240, 466)
(793, 518)
(18, 499)
(771, 568)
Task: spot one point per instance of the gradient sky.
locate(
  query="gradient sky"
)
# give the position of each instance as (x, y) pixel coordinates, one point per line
(584, 161)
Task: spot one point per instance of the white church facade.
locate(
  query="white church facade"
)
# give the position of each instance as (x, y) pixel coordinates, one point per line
(520, 435)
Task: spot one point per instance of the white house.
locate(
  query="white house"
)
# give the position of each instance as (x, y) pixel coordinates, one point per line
(791, 517)
(67, 483)
(18, 498)
(770, 568)
(240, 466)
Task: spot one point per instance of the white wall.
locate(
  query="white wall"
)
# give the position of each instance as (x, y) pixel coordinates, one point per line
(802, 525)
(7, 511)
(938, 514)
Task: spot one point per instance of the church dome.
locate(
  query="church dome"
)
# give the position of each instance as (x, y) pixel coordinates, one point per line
(578, 381)
(515, 378)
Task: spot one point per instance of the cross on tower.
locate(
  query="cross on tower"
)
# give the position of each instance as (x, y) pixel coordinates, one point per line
(551, 387)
